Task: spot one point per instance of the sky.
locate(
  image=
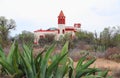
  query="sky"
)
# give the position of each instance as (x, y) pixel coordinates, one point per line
(31, 15)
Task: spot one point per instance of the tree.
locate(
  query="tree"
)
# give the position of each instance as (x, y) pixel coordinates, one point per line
(85, 36)
(116, 36)
(110, 37)
(5, 26)
(25, 37)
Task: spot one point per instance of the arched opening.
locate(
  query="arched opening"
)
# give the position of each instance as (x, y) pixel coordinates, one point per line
(63, 31)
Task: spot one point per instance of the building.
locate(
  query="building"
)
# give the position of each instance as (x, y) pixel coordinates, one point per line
(58, 32)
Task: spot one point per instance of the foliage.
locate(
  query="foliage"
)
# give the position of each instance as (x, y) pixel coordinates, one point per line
(110, 37)
(5, 26)
(65, 38)
(115, 57)
(48, 39)
(25, 37)
(10, 63)
(85, 36)
(23, 64)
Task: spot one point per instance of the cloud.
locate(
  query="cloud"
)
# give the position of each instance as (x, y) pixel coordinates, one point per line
(106, 7)
(92, 14)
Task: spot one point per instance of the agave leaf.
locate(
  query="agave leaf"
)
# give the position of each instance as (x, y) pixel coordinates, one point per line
(29, 71)
(33, 63)
(15, 57)
(27, 52)
(54, 64)
(54, 57)
(2, 54)
(12, 50)
(71, 68)
(103, 73)
(6, 66)
(23, 67)
(10, 64)
(38, 58)
(60, 72)
(38, 61)
(92, 76)
(86, 71)
(83, 67)
(94, 70)
(80, 62)
(17, 75)
(18, 72)
(29, 44)
(64, 50)
(44, 61)
(87, 64)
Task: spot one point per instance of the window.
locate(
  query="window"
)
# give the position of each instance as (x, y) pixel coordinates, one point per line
(58, 31)
(63, 31)
(41, 36)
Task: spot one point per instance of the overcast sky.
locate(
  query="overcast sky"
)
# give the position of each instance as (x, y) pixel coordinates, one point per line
(31, 15)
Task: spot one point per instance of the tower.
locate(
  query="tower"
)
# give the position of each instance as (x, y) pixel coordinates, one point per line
(61, 18)
(61, 24)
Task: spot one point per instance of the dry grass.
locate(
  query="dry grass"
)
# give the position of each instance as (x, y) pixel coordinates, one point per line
(116, 73)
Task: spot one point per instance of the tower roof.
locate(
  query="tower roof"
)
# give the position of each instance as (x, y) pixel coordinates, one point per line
(61, 13)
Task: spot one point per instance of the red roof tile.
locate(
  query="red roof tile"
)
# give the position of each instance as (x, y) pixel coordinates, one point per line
(61, 13)
(45, 30)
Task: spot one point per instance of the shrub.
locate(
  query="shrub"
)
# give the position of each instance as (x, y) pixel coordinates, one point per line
(113, 53)
(49, 39)
(65, 38)
(116, 73)
(24, 37)
(22, 64)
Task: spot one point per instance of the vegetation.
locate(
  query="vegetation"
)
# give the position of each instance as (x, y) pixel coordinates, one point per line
(24, 37)
(85, 36)
(109, 37)
(47, 40)
(65, 38)
(20, 61)
(116, 73)
(108, 40)
(23, 64)
(5, 26)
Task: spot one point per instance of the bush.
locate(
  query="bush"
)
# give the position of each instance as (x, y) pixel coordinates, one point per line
(65, 38)
(22, 64)
(113, 54)
(24, 37)
(49, 39)
(116, 73)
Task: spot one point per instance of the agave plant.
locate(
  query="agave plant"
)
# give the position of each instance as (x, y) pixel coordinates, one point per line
(23, 64)
(10, 64)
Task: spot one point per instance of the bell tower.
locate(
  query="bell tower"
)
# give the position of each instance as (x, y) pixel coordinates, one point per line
(61, 24)
(61, 18)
